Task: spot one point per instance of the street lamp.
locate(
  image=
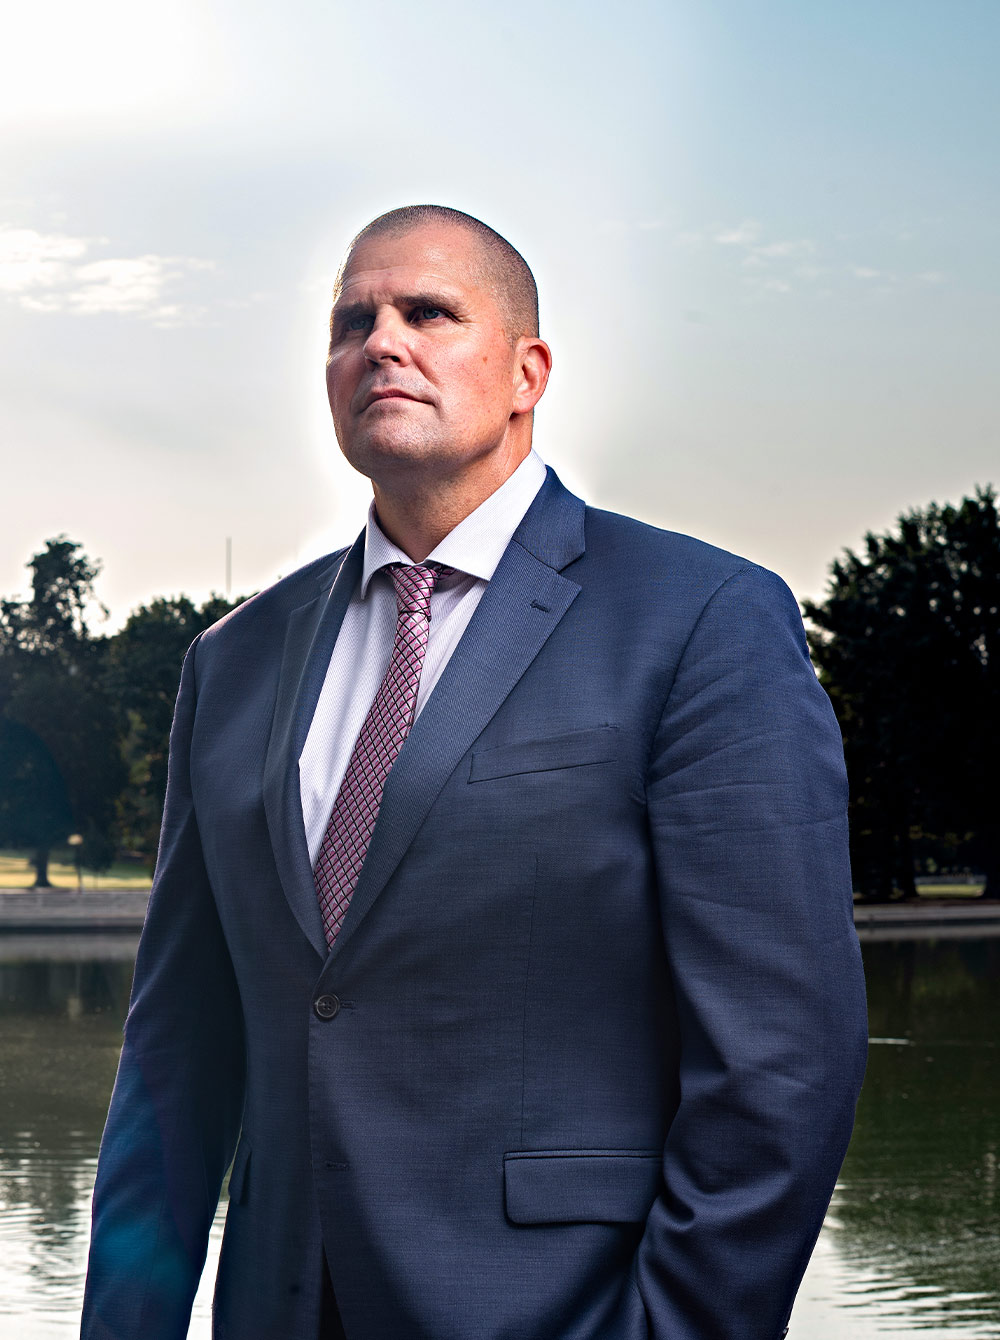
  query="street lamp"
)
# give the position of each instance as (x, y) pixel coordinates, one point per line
(75, 840)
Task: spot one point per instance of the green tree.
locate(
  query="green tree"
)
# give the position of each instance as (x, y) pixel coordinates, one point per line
(53, 621)
(53, 687)
(143, 671)
(85, 720)
(34, 805)
(907, 643)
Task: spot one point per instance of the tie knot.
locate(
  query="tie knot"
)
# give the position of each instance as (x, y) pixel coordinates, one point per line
(414, 585)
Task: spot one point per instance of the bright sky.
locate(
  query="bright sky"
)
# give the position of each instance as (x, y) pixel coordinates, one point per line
(765, 237)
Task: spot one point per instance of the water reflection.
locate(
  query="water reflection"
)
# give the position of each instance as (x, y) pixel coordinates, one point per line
(915, 1216)
(911, 1244)
(60, 1033)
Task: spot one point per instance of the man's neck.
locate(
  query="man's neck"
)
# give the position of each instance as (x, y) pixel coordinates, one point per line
(417, 517)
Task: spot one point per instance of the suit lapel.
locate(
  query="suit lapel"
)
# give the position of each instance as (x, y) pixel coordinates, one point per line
(309, 638)
(522, 605)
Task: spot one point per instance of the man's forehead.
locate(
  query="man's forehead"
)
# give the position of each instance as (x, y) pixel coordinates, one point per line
(443, 257)
(399, 280)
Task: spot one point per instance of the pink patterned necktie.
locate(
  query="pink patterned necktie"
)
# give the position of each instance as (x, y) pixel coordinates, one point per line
(386, 726)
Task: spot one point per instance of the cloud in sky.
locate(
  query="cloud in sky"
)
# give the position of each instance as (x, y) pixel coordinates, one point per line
(802, 247)
(742, 236)
(784, 265)
(31, 260)
(50, 272)
(761, 257)
(759, 253)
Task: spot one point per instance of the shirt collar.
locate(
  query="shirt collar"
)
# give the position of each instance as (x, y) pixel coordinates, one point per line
(476, 544)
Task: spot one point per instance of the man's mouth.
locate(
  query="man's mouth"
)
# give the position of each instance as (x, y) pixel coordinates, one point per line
(387, 393)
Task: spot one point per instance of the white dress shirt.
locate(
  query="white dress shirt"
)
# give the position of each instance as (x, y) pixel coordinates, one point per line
(364, 644)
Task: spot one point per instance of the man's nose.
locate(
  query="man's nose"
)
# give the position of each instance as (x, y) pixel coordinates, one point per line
(386, 342)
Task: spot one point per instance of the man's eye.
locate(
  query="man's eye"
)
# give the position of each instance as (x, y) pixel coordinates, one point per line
(357, 323)
(429, 313)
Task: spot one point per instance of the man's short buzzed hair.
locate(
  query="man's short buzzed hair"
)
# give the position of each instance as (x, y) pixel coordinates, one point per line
(505, 269)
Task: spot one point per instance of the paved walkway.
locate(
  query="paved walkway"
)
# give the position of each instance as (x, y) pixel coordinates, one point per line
(929, 912)
(70, 910)
(91, 910)
(929, 919)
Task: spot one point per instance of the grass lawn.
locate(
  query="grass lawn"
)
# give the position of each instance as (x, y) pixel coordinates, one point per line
(949, 890)
(956, 893)
(16, 872)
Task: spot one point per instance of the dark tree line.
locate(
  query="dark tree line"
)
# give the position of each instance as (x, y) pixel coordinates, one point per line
(906, 642)
(84, 719)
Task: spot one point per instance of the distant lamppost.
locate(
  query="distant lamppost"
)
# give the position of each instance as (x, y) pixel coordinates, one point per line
(75, 840)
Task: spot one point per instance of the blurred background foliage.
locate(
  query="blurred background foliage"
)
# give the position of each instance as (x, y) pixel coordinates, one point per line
(85, 717)
(906, 641)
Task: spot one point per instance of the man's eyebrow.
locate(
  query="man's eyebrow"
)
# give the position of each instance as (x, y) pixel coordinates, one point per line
(344, 311)
(432, 298)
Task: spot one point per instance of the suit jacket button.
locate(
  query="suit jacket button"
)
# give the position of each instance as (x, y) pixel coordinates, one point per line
(326, 1007)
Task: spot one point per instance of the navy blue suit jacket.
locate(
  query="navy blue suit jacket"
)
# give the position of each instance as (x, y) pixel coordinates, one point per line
(594, 1027)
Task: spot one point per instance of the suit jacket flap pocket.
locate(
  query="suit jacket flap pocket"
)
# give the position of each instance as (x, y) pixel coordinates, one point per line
(571, 750)
(238, 1172)
(564, 1186)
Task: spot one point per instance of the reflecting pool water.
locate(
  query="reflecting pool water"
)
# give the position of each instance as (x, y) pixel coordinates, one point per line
(911, 1244)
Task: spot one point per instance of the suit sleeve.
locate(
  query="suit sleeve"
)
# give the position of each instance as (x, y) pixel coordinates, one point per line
(747, 808)
(178, 1097)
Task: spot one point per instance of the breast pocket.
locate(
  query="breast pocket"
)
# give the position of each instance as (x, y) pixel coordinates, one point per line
(580, 1185)
(573, 749)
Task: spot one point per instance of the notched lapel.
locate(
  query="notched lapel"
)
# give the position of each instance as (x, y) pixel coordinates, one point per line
(520, 608)
(309, 638)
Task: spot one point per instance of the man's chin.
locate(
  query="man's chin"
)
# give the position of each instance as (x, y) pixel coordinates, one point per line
(377, 454)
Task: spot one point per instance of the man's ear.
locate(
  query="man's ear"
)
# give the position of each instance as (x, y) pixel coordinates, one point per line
(532, 365)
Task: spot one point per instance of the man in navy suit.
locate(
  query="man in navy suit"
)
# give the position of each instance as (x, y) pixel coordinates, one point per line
(501, 925)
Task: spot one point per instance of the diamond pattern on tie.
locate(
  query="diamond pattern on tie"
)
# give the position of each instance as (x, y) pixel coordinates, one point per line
(345, 843)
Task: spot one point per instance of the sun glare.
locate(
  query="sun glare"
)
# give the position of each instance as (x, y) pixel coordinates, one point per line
(61, 60)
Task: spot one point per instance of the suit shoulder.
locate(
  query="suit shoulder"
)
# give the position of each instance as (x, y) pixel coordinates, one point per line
(675, 587)
(669, 560)
(273, 605)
